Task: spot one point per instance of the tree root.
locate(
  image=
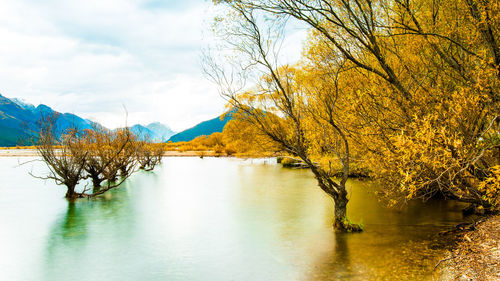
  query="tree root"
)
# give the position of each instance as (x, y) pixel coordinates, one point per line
(443, 260)
(347, 226)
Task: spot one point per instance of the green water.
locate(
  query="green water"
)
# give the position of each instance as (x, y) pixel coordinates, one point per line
(210, 219)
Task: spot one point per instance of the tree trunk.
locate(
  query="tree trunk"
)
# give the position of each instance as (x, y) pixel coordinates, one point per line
(96, 181)
(123, 172)
(70, 193)
(340, 213)
(341, 223)
(338, 193)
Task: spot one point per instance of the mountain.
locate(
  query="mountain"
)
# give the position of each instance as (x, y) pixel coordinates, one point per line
(162, 132)
(15, 123)
(64, 120)
(203, 129)
(23, 104)
(12, 137)
(155, 132)
(142, 132)
(13, 115)
(18, 121)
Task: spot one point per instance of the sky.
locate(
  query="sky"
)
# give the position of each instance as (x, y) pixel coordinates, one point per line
(96, 58)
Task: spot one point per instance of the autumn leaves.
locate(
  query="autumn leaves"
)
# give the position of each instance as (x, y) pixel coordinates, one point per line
(407, 90)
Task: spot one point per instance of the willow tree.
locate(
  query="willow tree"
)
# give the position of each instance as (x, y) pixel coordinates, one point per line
(105, 155)
(73, 155)
(148, 155)
(113, 152)
(296, 116)
(423, 79)
(98, 143)
(66, 164)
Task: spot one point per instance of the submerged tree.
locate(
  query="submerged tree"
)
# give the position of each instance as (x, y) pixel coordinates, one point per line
(149, 155)
(302, 119)
(98, 144)
(66, 163)
(106, 157)
(105, 148)
(125, 163)
(422, 80)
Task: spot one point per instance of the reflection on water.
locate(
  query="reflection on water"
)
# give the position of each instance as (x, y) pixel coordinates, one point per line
(212, 219)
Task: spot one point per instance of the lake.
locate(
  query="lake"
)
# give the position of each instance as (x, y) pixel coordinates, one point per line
(211, 219)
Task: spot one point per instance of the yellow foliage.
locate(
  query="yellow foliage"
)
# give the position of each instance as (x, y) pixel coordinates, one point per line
(490, 187)
(414, 90)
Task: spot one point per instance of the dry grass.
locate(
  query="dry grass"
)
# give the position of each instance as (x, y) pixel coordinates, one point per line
(17, 147)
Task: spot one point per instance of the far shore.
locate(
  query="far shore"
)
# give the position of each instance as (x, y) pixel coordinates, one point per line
(30, 152)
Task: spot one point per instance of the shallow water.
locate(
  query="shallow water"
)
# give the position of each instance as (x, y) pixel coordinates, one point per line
(211, 219)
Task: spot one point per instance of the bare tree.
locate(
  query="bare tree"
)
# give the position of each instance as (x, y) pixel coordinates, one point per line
(73, 156)
(103, 149)
(149, 155)
(66, 164)
(125, 163)
(279, 105)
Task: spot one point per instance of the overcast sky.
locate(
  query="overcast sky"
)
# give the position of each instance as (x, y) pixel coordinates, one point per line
(92, 57)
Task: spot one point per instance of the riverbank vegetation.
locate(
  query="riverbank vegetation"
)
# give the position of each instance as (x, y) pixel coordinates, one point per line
(239, 138)
(105, 157)
(407, 90)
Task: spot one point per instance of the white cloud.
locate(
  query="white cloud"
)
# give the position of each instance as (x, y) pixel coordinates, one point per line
(91, 57)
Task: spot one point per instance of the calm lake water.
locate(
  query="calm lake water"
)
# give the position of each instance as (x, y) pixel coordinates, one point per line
(210, 219)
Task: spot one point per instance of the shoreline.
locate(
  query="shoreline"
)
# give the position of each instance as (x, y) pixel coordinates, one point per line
(476, 253)
(30, 152)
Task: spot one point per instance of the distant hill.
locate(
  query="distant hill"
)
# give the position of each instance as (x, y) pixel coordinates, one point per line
(19, 119)
(154, 132)
(64, 120)
(162, 132)
(15, 123)
(142, 132)
(23, 104)
(202, 129)
(12, 137)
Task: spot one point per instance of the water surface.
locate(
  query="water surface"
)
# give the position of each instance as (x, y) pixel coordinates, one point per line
(211, 219)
